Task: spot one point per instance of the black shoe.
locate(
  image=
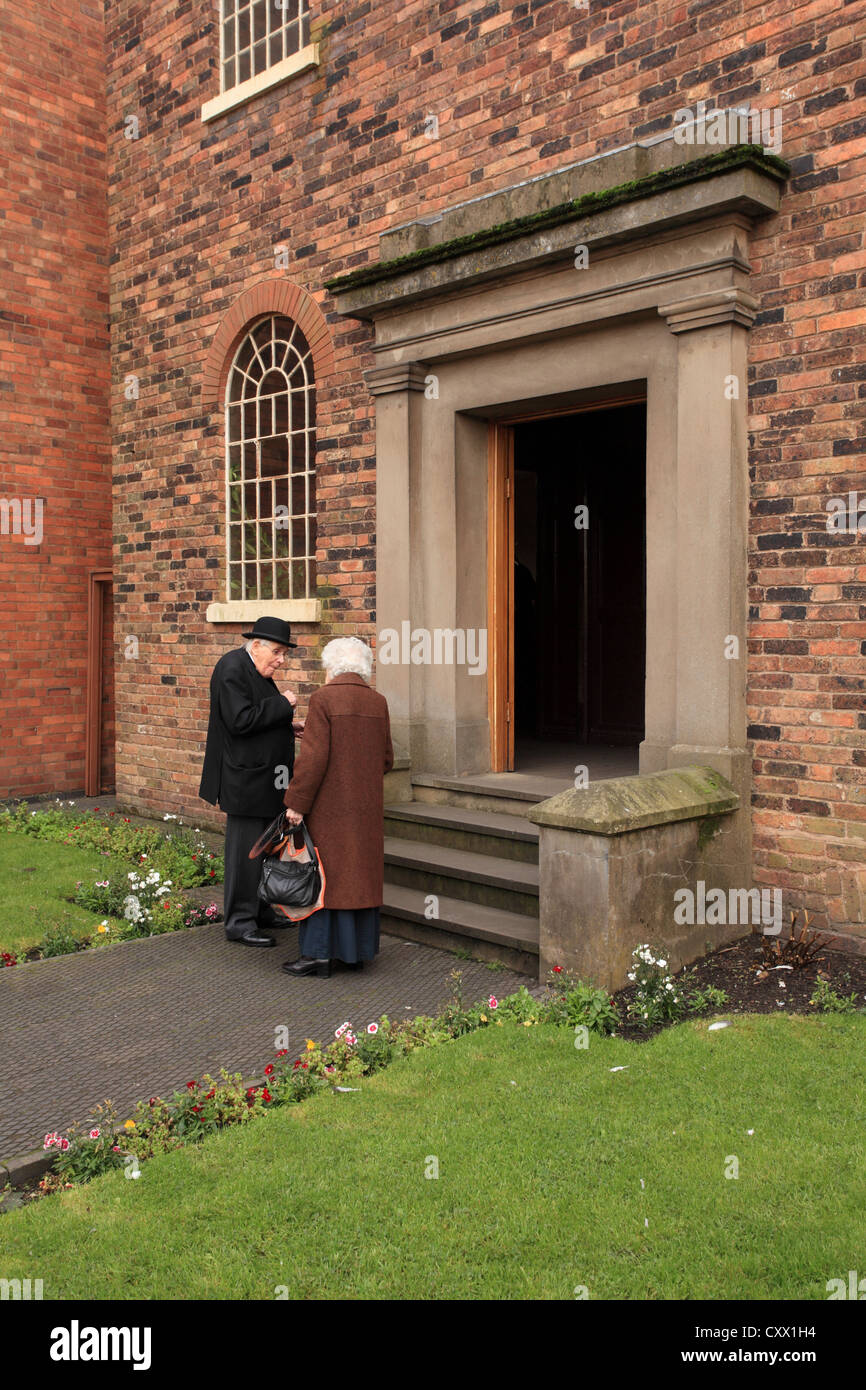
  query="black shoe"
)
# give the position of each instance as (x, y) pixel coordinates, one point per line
(305, 965)
(352, 965)
(253, 937)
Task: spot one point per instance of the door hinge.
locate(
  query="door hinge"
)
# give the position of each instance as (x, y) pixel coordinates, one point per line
(507, 488)
(508, 711)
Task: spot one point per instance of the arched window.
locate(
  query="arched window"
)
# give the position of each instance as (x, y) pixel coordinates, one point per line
(270, 465)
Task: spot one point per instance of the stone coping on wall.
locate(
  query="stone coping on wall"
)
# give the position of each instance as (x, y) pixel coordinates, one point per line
(620, 804)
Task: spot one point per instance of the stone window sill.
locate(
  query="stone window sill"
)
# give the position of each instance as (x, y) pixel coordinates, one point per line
(291, 610)
(236, 96)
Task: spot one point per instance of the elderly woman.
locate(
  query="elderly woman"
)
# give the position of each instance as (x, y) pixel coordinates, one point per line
(337, 787)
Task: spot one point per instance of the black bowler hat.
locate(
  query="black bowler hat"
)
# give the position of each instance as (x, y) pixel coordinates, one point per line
(272, 630)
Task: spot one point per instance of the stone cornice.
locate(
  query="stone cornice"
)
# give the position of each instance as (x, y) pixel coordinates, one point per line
(547, 233)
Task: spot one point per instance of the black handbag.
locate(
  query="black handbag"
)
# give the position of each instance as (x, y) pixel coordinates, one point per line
(290, 883)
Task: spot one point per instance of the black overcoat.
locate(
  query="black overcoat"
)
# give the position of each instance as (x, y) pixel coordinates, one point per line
(250, 750)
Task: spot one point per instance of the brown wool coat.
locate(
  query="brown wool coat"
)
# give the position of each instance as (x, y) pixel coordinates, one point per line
(337, 786)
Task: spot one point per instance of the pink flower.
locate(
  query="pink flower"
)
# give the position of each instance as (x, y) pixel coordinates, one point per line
(343, 1028)
(64, 1144)
(94, 1134)
(493, 1002)
(372, 1027)
(330, 1068)
(351, 1039)
(115, 1148)
(51, 1140)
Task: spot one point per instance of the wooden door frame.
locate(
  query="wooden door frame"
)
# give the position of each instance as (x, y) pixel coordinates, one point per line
(500, 568)
(99, 580)
(500, 595)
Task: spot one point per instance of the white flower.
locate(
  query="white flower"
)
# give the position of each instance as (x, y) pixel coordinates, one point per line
(662, 963)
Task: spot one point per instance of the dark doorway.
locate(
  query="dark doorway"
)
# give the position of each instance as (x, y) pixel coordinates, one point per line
(580, 579)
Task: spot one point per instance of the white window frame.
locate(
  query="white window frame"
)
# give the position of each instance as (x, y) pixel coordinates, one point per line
(290, 66)
(299, 608)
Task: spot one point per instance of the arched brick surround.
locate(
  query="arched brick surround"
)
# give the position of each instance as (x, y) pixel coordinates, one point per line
(274, 296)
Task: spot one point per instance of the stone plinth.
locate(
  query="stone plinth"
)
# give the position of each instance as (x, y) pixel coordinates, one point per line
(612, 857)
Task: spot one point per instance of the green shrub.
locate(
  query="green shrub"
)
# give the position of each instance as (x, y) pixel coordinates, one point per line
(59, 941)
(584, 1005)
(828, 1001)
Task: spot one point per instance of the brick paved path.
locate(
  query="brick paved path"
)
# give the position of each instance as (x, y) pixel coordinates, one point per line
(143, 1017)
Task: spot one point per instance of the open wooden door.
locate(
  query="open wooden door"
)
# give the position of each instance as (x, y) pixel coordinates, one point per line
(500, 596)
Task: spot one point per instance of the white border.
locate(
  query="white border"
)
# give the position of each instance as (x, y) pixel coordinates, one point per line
(289, 67)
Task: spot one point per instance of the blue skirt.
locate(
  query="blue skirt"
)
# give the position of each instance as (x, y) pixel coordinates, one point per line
(346, 934)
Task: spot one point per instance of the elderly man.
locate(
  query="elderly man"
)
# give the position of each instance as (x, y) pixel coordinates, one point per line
(249, 758)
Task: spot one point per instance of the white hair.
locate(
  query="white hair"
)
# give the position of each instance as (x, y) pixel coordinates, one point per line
(262, 641)
(348, 656)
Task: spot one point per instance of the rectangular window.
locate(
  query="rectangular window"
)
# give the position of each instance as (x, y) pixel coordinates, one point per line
(259, 34)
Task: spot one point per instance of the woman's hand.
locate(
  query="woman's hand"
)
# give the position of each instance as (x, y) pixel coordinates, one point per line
(293, 817)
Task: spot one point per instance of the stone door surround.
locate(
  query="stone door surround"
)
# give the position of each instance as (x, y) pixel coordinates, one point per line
(626, 272)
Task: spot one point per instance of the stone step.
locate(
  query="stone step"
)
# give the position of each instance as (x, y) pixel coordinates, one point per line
(475, 795)
(488, 933)
(482, 832)
(486, 879)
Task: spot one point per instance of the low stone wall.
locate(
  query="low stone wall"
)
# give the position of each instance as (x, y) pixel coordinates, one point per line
(615, 859)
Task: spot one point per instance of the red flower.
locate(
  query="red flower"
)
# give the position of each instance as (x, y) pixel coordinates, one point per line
(557, 970)
(212, 872)
(304, 1065)
(295, 1065)
(196, 1109)
(269, 1069)
(190, 1085)
(266, 1095)
(251, 1090)
(211, 1093)
(152, 1100)
(283, 1052)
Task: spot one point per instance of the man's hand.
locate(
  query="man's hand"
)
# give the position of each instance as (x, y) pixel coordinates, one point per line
(291, 697)
(293, 817)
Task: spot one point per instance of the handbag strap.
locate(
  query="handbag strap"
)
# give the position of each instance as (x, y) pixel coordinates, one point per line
(289, 834)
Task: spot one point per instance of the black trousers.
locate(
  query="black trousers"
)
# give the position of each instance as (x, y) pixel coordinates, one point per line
(243, 909)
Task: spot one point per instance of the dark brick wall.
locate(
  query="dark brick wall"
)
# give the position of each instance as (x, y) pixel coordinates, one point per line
(327, 161)
(54, 380)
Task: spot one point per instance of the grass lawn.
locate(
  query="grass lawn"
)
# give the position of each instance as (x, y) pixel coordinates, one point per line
(539, 1188)
(35, 878)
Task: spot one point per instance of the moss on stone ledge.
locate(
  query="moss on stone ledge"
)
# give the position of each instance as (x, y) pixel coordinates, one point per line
(735, 157)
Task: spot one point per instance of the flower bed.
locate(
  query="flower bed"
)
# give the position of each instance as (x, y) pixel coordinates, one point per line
(152, 898)
(207, 1104)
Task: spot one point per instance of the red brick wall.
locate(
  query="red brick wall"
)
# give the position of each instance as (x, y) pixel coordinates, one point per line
(329, 160)
(54, 378)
